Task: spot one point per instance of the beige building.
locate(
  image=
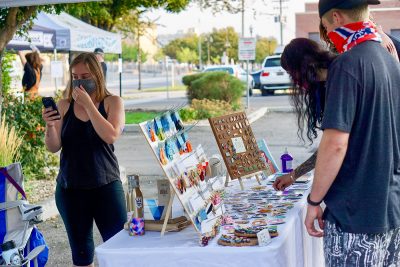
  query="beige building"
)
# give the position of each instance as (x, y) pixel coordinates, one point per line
(148, 43)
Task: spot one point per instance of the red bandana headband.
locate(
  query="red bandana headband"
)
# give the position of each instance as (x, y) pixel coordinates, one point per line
(350, 35)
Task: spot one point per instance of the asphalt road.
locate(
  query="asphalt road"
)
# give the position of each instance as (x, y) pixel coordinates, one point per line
(159, 101)
(130, 83)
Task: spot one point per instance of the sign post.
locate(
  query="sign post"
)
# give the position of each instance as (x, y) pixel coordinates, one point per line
(247, 51)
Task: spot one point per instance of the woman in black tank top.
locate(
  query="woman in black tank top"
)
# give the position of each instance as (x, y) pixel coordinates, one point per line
(88, 183)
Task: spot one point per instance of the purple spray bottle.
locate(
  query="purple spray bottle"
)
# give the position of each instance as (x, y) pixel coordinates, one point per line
(286, 160)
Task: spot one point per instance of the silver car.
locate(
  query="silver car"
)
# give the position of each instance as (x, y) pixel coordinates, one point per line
(236, 71)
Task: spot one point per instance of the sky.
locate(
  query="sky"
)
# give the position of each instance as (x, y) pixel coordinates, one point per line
(259, 14)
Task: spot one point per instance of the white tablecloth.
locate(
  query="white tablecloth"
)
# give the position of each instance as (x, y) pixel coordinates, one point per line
(293, 247)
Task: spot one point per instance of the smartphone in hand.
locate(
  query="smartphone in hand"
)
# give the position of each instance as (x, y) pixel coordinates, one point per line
(49, 102)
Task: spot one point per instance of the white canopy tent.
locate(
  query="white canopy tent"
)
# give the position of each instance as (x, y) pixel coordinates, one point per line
(73, 34)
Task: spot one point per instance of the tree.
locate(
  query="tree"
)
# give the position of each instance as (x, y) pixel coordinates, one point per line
(106, 14)
(223, 40)
(134, 25)
(18, 20)
(265, 47)
(130, 53)
(186, 55)
(189, 41)
(159, 56)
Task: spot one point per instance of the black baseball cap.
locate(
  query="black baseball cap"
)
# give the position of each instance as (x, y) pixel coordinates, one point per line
(326, 5)
(99, 51)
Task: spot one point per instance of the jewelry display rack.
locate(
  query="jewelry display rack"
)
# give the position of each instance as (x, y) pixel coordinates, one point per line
(238, 147)
(186, 170)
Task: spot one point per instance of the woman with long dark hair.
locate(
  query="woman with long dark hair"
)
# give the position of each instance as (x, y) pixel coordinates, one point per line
(32, 72)
(307, 62)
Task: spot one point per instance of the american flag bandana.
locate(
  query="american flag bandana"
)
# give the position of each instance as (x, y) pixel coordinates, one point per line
(350, 35)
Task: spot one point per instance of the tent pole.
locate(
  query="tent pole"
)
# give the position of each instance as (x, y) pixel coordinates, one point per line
(55, 79)
(120, 74)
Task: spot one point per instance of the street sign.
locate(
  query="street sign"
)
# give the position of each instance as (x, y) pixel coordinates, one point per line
(247, 48)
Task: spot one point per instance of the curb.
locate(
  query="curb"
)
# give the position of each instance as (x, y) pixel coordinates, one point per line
(283, 109)
(49, 205)
(254, 116)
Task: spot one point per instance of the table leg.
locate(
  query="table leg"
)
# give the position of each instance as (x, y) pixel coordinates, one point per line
(241, 184)
(227, 179)
(258, 179)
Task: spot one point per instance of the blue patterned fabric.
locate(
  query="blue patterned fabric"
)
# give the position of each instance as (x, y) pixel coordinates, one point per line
(344, 249)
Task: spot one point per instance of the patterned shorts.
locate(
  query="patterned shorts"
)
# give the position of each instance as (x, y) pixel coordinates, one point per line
(343, 249)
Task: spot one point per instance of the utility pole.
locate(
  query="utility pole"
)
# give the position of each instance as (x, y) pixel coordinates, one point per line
(242, 18)
(280, 21)
(139, 61)
(199, 45)
(200, 63)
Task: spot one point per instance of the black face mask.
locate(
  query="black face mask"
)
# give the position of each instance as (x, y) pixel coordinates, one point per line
(88, 84)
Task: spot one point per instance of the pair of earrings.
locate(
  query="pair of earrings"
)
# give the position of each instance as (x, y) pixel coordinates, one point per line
(181, 184)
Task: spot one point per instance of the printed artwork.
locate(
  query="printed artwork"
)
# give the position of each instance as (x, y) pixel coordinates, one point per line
(267, 157)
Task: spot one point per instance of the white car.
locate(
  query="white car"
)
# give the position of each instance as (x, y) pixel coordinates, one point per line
(273, 76)
(236, 71)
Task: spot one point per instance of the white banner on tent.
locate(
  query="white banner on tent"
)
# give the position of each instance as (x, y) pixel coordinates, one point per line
(89, 41)
(36, 38)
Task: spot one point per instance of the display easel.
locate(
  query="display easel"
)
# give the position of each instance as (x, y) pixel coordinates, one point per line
(238, 147)
(175, 169)
(256, 175)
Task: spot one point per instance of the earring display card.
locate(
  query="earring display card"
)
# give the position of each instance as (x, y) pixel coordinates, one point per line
(237, 145)
(186, 169)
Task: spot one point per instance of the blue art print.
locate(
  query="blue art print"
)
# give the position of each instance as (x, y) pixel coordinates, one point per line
(171, 123)
(149, 127)
(158, 129)
(185, 137)
(176, 119)
(165, 123)
(170, 149)
(267, 157)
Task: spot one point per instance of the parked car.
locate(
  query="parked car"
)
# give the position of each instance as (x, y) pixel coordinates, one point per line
(236, 71)
(256, 78)
(273, 76)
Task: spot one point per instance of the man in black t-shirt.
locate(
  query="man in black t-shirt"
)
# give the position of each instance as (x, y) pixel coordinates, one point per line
(357, 173)
(100, 57)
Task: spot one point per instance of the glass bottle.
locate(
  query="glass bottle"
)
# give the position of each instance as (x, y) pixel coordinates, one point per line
(136, 221)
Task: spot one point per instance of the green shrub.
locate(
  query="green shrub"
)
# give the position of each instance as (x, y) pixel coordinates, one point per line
(188, 114)
(188, 79)
(26, 117)
(204, 109)
(216, 86)
(6, 66)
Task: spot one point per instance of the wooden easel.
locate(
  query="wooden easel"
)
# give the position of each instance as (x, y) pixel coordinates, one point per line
(257, 175)
(168, 211)
(173, 190)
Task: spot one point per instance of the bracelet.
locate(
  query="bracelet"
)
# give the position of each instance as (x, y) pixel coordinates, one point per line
(312, 203)
(291, 176)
